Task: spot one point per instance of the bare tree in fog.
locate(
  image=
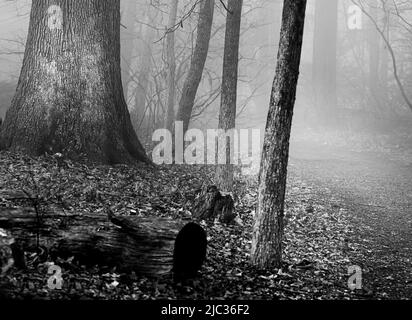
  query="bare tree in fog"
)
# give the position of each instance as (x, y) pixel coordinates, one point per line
(69, 98)
(374, 57)
(128, 18)
(143, 74)
(389, 45)
(198, 62)
(171, 65)
(268, 227)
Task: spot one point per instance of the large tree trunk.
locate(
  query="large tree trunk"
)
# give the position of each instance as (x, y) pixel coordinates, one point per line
(324, 61)
(171, 66)
(227, 116)
(197, 64)
(147, 246)
(69, 98)
(268, 227)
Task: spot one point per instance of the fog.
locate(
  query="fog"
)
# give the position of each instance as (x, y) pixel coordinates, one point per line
(348, 93)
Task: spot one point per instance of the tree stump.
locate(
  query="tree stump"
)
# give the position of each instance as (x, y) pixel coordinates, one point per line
(147, 246)
(211, 204)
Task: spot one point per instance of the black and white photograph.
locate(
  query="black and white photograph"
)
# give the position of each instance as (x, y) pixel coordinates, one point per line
(197, 157)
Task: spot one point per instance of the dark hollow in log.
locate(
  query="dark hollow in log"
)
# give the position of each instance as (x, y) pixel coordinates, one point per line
(211, 204)
(190, 250)
(148, 246)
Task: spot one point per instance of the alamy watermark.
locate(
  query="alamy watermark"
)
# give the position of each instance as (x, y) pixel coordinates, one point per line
(211, 147)
(56, 280)
(355, 277)
(55, 17)
(355, 17)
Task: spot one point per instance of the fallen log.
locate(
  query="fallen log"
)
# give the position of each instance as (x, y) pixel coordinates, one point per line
(147, 246)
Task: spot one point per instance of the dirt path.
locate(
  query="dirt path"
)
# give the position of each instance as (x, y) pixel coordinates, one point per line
(377, 192)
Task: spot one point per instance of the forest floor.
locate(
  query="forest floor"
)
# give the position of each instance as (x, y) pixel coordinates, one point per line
(375, 189)
(343, 208)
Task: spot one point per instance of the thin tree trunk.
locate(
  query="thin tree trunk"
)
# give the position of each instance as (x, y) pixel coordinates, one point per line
(384, 63)
(268, 227)
(69, 98)
(227, 116)
(197, 64)
(145, 66)
(171, 66)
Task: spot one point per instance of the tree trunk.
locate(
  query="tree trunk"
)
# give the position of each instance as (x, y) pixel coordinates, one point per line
(324, 61)
(194, 76)
(147, 246)
(227, 116)
(268, 227)
(384, 66)
(171, 66)
(69, 98)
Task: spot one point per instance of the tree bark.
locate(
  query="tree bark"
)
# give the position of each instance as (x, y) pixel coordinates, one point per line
(325, 61)
(268, 226)
(171, 66)
(198, 61)
(147, 246)
(227, 116)
(69, 98)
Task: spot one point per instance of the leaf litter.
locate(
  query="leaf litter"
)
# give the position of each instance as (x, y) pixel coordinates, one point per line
(316, 247)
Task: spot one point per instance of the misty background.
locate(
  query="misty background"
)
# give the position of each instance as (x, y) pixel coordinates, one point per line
(348, 92)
